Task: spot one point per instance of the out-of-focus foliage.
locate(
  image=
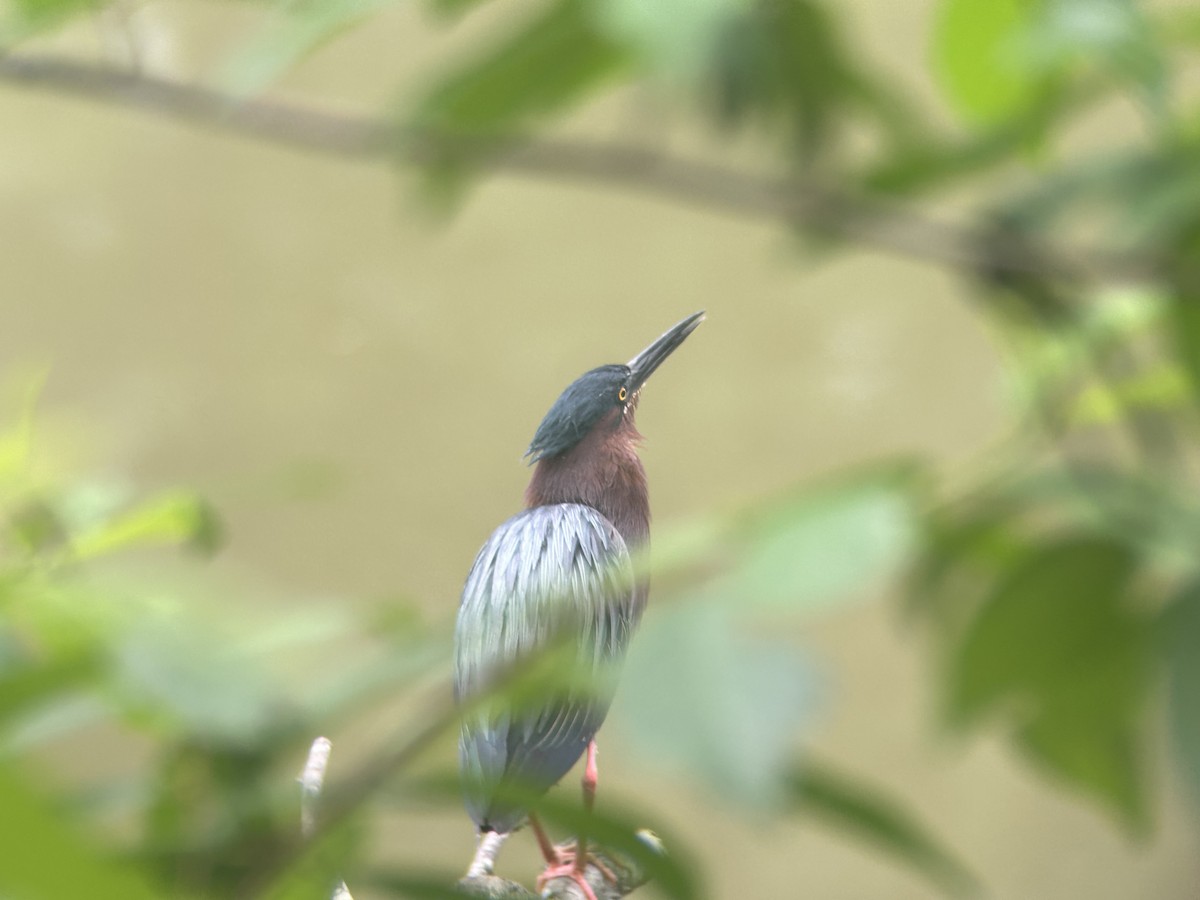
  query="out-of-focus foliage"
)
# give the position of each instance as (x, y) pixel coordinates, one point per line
(197, 691)
(1049, 588)
(1078, 685)
(1058, 592)
(1180, 636)
(720, 705)
(999, 58)
(49, 859)
(821, 793)
(303, 26)
(212, 810)
(723, 704)
(554, 60)
(21, 19)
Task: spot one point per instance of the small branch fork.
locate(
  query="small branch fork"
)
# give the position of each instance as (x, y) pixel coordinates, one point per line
(795, 202)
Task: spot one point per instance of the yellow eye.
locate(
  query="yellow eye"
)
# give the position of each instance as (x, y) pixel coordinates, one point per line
(622, 394)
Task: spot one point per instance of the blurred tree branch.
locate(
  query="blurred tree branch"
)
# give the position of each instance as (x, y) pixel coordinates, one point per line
(988, 252)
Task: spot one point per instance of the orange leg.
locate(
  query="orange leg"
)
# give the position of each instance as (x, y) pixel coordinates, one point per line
(573, 863)
(590, 776)
(558, 863)
(549, 853)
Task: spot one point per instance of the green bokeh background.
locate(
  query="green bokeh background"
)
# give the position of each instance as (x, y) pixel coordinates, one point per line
(350, 376)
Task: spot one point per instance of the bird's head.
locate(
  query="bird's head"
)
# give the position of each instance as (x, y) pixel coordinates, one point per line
(608, 394)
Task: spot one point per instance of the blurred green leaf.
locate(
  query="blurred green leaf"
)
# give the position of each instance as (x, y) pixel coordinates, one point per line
(1120, 312)
(1181, 25)
(865, 813)
(217, 820)
(1136, 508)
(20, 19)
(821, 546)
(175, 517)
(972, 543)
(305, 626)
(997, 58)
(303, 26)
(675, 39)
(931, 160)
(65, 617)
(453, 8)
(32, 682)
(1096, 754)
(1061, 647)
(415, 885)
(178, 673)
(936, 160)
(975, 57)
(1153, 210)
(725, 707)
(46, 859)
(1113, 35)
(1181, 634)
(803, 550)
(784, 65)
(364, 679)
(1098, 186)
(54, 719)
(85, 505)
(1054, 604)
(37, 527)
(16, 442)
(1163, 388)
(550, 63)
(1184, 308)
(558, 58)
(962, 551)
(322, 864)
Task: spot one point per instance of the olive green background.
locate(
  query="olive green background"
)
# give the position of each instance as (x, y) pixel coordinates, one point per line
(351, 376)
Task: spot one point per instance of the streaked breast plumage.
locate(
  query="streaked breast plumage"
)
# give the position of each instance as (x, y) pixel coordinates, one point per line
(551, 576)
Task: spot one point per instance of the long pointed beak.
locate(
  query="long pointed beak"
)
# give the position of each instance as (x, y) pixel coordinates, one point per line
(643, 365)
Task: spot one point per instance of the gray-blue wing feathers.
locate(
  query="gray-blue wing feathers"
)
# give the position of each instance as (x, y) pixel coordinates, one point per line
(550, 577)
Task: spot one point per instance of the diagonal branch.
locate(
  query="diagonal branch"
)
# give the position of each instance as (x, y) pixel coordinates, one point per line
(793, 201)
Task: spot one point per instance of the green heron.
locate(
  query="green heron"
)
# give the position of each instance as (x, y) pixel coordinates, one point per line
(557, 575)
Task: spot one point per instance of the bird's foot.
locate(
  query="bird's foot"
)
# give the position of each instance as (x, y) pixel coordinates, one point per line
(566, 856)
(567, 865)
(565, 869)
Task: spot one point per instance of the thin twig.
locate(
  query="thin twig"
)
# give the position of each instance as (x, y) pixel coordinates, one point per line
(794, 201)
(339, 803)
(311, 781)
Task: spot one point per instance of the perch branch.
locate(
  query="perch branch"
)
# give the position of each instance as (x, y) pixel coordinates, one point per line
(629, 876)
(793, 201)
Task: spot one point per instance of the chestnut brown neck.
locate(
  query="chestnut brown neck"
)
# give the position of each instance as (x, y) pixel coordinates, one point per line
(602, 471)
